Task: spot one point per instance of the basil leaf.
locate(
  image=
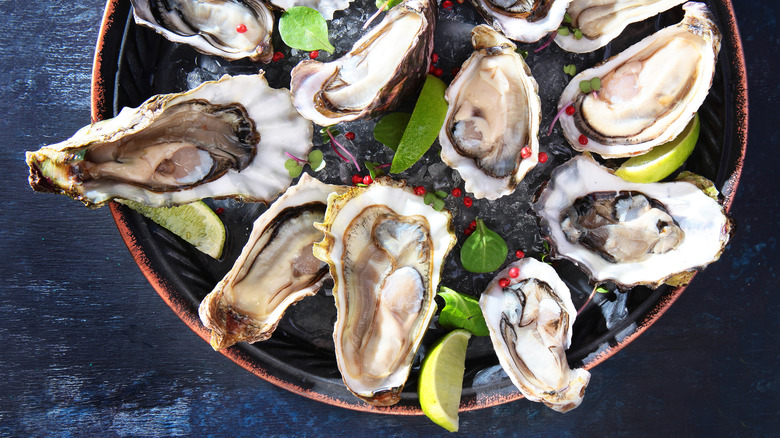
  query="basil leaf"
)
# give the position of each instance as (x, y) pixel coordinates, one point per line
(424, 125)
(304, 28)
(391, 128)
(462, 311)
(484, 250)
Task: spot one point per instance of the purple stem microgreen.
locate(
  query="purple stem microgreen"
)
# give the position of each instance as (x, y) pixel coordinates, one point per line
(547, 43)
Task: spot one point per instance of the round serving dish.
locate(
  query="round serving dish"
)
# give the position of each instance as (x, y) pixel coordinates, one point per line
(132, 63)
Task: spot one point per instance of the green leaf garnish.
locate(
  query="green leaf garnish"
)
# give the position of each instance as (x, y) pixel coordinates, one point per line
(563, 31)
(424, 125)
(316, 162)
(577, 34)
(484, 250)
(293, 168)
(429, 198)
(324, 133)
(592, 85)
(441, 194)
(373, 169)
(438, 204)
(305, 29)
(602, 290)
(570, 69)
(391, 128)
(461, 311)
(566, 18)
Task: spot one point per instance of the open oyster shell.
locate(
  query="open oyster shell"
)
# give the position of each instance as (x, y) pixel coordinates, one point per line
(630, 233)
(385, 249)
(524, 20)
(494, 112)
(225, 138)
(276, 268)
(232, 29)
(383, 68)
(601, 21)
(648, 93)
(530, 323)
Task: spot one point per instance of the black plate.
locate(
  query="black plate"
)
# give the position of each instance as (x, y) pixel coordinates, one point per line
(132, 63)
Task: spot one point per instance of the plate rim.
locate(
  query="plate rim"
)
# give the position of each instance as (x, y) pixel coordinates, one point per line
(111, 32)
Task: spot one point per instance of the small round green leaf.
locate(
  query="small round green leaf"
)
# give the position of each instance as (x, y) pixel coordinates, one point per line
(305, 29)
(484, 250)
(316, 161)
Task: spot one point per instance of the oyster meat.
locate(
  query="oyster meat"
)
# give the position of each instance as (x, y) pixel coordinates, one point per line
(648, 93)
(490, 132)
(530, 323)
(225, 138)
(601, 21)
(629, 233)
(383, 68)
(232, 29)
(276, 268)
(523, 20)
(385, 249)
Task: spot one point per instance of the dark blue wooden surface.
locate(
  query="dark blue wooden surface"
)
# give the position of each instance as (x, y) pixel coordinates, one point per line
(87, 348)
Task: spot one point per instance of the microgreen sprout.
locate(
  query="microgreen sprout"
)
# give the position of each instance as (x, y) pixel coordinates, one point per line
(568, 29)
(592, 85)
(295, 165)
(558, 116)
(435, 199)
(547, 43)
(570, 69)
(599, 289)
(375, 169)
(328, 133)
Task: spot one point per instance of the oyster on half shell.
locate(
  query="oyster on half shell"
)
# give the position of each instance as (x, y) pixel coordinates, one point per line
(523, 20)
(225, 138)
(276, 268)
(530, 323)
(630, 233)
(494, 114)
(385, 248)
(383, 68)
(232, 29)
(601, 21)
(649, 92)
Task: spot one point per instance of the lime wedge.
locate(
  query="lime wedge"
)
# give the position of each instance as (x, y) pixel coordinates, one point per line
(424, 125)
(662, 160)
(441, 379)
(196, 223)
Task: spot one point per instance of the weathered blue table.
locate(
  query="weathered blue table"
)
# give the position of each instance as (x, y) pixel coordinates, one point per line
(88, 348)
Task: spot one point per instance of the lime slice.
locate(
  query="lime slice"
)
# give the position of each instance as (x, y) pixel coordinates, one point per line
(662, 160)
(196, 223)
(424, 125)
(441, 379)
